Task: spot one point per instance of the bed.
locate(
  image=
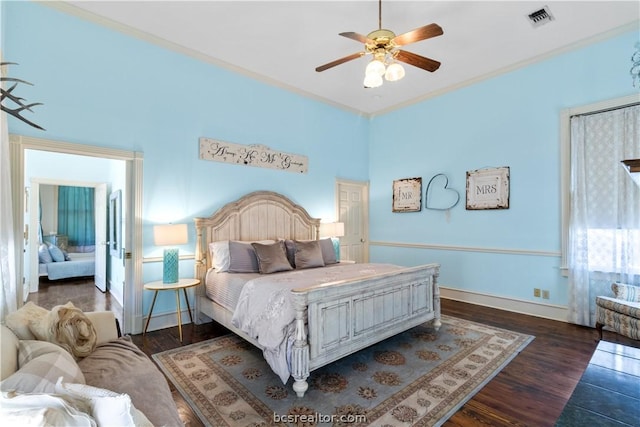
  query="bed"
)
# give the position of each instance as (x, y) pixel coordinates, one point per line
(66, 265)
(329, 320)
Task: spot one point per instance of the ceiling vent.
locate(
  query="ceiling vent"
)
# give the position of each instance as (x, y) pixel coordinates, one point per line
(541, 17)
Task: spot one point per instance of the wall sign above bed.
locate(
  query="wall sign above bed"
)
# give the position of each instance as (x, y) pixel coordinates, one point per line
(252, 155)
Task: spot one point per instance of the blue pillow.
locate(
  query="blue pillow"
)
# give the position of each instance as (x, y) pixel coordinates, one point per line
(56, 253)
(43, 254)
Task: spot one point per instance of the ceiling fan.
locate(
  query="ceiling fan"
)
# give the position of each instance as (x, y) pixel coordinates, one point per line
(384, 45)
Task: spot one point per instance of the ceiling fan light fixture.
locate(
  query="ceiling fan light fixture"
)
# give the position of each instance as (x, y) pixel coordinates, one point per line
(372, 80)
(375, 67)
(394, 72)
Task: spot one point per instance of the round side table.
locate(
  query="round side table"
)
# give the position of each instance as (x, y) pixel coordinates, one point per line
(176, 286)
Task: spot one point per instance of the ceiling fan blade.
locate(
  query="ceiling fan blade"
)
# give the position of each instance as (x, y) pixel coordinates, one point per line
(418, 61)
(422, 33)
(339, 61)
(357, 37)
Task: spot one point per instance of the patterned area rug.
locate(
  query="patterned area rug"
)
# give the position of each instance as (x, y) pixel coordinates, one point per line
(419, 377)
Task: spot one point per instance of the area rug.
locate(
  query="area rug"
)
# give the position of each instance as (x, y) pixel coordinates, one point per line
(419, 377)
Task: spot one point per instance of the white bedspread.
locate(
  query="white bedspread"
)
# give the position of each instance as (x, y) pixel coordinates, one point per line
(265, 310)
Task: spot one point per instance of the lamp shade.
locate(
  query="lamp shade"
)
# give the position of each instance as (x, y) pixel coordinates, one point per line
(332, 229)
(170, 234)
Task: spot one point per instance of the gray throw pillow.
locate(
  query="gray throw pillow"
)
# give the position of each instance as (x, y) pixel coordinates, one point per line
(308, 254)
(242, 258)
(272, 258)
(328, 251)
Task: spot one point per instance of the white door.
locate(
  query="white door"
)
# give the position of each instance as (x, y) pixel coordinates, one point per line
(353, 211)
(100, 203)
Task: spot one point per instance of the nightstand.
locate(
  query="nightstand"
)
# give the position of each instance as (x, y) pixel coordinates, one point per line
(158, 286)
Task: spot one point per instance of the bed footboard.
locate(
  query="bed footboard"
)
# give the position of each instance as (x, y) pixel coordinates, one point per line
(345, 318)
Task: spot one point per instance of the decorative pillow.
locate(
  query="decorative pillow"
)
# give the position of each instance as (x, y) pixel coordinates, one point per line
(308, 254)
(220, 254)
(44, 257)
(107, 407)
(328, 251)
(40, 365)
(56, 253)
(18, 321)
(242, 258)
(290, 247)
(626, 292)
(271, 257)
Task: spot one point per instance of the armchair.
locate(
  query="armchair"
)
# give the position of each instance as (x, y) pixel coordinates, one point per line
(620, 313)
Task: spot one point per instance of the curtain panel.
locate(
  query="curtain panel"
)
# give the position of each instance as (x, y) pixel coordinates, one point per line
(604, 229)
(76, 217)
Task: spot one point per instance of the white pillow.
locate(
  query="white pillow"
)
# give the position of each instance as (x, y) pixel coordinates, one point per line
(108, 408)
(40, 410)
(220, 254)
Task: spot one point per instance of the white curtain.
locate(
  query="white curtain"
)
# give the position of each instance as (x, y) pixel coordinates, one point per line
(604, 229)
(7, 242)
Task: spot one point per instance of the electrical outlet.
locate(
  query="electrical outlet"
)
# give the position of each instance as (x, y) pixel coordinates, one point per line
(536, 292)
(545, 294)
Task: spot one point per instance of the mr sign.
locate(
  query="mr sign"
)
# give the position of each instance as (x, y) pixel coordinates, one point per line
(407, 195)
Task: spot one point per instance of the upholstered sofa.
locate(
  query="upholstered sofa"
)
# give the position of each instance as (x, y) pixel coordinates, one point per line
(47, 384)
(620, 313)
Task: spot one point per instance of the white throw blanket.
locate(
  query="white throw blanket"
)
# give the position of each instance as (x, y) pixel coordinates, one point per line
(265, 310)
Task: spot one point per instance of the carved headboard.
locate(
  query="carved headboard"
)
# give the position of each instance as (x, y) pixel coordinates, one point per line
(259, 215)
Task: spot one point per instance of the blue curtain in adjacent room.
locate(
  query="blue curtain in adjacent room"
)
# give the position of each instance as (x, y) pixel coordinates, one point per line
(76, 215)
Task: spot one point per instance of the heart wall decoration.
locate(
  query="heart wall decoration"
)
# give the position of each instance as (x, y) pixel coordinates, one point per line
(439, 196)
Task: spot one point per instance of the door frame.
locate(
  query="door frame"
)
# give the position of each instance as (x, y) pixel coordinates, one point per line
(32, 236)
(18, 144)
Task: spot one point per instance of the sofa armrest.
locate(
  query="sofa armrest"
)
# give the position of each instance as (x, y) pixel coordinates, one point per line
(626, 292)
(106, 325)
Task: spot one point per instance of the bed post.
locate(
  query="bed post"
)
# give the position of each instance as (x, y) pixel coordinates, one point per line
(436, 300)
(300, 350)
(200, 268)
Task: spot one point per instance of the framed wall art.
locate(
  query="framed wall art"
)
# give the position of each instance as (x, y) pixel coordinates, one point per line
(407, 195)
(488, 188)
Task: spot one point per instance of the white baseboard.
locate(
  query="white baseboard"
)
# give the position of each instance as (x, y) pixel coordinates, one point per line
(546, 311)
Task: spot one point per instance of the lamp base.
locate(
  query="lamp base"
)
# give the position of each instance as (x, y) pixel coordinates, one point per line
(170, 264)
(336, 247)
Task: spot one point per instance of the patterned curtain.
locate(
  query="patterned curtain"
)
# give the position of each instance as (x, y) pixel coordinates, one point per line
(604, 229)
(76, 215)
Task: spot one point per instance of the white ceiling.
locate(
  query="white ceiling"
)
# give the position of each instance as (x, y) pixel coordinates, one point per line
(282, 42)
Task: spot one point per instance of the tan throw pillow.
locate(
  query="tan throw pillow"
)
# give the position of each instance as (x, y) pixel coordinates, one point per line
(18, 321)
(40, 365)
(308, 254)
(272, 258)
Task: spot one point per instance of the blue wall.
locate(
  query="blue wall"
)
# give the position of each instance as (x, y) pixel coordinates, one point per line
(102, 88)
(509, 120)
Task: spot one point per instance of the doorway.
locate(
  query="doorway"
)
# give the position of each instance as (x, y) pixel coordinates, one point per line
(128, 178)
(353, 210)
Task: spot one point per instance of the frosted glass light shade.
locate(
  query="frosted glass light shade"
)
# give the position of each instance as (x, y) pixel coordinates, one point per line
(375, 67)
(372, 80)
(394, 72)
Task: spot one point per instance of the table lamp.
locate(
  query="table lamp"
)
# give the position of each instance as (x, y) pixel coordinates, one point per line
(334, 230)
(170, 235)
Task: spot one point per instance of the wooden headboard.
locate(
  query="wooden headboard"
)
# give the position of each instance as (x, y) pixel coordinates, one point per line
(259, 215)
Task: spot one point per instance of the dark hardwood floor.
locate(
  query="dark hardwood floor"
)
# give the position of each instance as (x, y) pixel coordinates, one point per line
(532, 390)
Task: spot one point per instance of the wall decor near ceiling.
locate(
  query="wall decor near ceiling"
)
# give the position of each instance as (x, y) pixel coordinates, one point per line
(407, 195)
(252, 155)
(488, 188)
(438, 195)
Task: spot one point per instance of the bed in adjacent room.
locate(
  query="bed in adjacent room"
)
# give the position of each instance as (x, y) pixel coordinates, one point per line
(56, 264)
(271, 280)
